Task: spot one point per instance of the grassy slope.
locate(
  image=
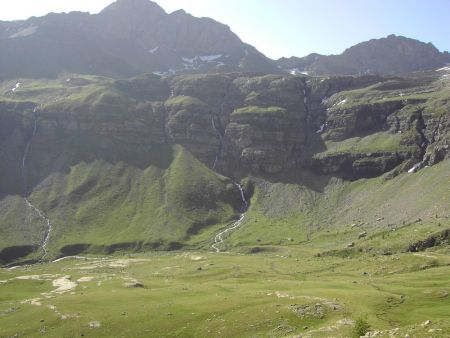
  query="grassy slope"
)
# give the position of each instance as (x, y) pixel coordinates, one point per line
(292, 214)
(100, 203)
(229, 295)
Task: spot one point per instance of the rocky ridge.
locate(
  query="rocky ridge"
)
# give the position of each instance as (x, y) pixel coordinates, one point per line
(127, 38)
(386, 56)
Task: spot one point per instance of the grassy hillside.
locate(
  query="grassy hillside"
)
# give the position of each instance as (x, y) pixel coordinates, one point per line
(289, 292)
(334, 215)
(102, 207)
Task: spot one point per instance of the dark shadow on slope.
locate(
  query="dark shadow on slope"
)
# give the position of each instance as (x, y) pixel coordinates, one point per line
(441, 238)
(13, 253)
(73, 249)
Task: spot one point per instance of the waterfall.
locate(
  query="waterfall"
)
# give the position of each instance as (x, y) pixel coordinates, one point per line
(25, 154)
(220, 136)
(216, 159)
(218, 239)
(36, 210)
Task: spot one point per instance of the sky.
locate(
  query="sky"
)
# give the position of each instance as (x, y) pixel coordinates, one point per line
(289, 27)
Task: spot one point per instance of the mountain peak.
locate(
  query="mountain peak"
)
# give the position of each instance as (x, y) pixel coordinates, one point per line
(143, 7)
(394, 54)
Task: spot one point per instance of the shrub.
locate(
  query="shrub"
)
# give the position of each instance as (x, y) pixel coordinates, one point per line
(361, 328)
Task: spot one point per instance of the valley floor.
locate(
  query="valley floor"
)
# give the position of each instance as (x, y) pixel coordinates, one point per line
(288, 292)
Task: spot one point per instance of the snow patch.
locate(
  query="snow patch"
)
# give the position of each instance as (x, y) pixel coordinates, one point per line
(209, 58)
(13, 89)
(153, 50)
(297, 71)
(444, 69)
(24, 32)
(188, 60)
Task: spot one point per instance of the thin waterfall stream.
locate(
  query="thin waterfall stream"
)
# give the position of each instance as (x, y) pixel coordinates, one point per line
(36, 210)
(219, 237)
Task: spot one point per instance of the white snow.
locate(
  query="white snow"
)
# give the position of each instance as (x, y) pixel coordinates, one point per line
(24, 32)
(296, 71)
(188, 60)
(15, 87)
(443, 69)
(342, 102)
(209, 58)
(153, 50)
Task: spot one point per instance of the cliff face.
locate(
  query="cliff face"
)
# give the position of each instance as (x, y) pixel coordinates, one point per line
(248, 124)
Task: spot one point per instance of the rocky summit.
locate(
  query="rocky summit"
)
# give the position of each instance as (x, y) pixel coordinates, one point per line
(386, 56)
(126, 38)
(160, 177)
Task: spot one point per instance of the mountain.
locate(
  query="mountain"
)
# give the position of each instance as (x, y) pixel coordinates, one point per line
(127, 38)
(153, 163)
(130, 37)
(385, 56)
(207, 135)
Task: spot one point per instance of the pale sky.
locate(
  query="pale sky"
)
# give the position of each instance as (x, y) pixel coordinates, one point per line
(289, 27)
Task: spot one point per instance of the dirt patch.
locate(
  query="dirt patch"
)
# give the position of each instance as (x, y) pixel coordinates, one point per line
(37, 277)
(63, 284)
(33, 301)
(109, 263)
(196, 258)
(95, 324)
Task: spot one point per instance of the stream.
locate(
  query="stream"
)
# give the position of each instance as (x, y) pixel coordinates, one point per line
(35, 209)
(219, 237)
